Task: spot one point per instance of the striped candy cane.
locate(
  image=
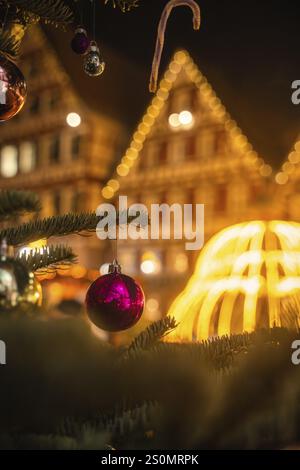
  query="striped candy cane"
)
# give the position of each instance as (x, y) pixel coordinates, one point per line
(161, 34)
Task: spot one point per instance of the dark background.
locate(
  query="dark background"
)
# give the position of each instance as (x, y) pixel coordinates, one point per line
(249, 52)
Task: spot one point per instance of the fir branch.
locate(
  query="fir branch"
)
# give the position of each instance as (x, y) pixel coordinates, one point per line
(9, 45)
(124, 5)
(57, 11)
(58, 226)
(290, 312)
(151, 335)
(49, 257)
(14, 203)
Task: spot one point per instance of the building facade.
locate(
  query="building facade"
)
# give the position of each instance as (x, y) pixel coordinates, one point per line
(58, 146)
(186, 150)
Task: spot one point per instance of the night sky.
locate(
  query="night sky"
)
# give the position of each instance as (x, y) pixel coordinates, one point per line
(249, 52)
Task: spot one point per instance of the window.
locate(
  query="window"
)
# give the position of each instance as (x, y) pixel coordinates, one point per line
(34, 68)
(206, 144)
(56, 203)
(221, 199)
(75, 147)
(75, 204)
(190, 146)
(54, 150)
(27, 158)
(35, 105)
(54, 98)
(9, 161)
(220, 141)
(163, 153)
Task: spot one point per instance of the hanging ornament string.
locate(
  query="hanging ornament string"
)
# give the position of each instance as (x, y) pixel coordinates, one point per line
(161, 34)
(115, 247)
(93, 64)
(94, 20)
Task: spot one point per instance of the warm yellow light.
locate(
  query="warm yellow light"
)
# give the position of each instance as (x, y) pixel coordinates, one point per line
(73, 119)
(288, 167)
(139, 137)
(281, 178)
(132, 153)
(266, 170)
(170, 76)
(294, 157)
(163, 94)
(122, 170)
(185, 118)
(148, 120)
(180, 57)
(114, 184)
(148, 267)
(181, 263)
(152, 305)
(127, 161)
(153, 111)
(174, 120)
(107, 192)
(78, 272)
(150, 263)
(242, 276)
(136, 145)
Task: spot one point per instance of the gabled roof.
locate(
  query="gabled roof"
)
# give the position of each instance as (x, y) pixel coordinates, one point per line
(181, 61)
(290, 166)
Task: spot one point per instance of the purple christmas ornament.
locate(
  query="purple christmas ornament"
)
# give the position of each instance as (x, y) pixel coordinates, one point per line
(80, 42)
(114, 301)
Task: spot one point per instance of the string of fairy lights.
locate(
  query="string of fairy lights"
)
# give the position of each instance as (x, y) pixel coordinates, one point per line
(181, 60)
(289, 166)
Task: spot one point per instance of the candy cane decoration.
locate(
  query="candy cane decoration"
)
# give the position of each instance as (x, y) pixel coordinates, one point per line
(161, 34)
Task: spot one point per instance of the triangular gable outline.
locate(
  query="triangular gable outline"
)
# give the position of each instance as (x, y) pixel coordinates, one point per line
(288, 167)
(181, 60)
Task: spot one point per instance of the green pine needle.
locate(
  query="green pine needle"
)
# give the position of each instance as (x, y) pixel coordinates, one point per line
(14, 203)
(57, 226)
(49, 257)
(152, 335)
(124, 5)
(58, 11)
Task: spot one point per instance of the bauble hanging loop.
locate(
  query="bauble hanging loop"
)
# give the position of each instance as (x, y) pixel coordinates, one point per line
(80, 42)
(114, 302)
(93, 63)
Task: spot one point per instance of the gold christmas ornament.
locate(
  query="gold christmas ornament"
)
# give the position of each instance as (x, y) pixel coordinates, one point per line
(243, 278)
(19, 290)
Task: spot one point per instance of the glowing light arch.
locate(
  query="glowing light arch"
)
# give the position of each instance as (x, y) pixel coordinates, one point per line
(241, 276)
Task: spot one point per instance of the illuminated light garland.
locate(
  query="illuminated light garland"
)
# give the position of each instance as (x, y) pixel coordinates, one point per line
(122, 169)
(181, 57)
(281, 178)
(266, 170)
(181, 61)
(241, 276)
(107, 192)
(294, 157)
(127, 161)
(114, 184)
(288, 167)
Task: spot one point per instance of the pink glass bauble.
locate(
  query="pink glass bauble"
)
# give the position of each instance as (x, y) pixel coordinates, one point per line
(12, 89)
(114, 302)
